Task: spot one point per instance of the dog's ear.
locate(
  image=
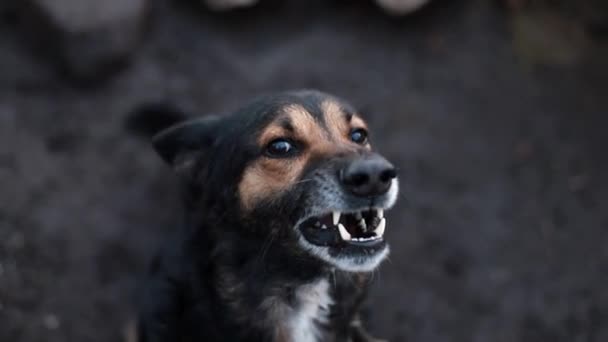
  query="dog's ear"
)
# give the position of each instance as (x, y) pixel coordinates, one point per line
(180, 144)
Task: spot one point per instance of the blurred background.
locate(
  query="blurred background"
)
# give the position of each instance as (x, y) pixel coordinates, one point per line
(495, 111)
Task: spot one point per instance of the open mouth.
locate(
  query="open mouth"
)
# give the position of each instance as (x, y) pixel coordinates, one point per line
(359, 228)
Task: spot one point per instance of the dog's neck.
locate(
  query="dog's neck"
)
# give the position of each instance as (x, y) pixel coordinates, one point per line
(303, 318)
(268, 289)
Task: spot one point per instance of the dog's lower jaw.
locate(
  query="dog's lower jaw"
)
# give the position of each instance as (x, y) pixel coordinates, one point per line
(354, 264)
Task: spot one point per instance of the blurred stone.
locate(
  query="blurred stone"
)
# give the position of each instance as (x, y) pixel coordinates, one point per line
(51, 322)
(592, 14)
(578, 183)
(401, 7)
(548, 38)
(524, 150)
(224, 5)
(515, 5)
(88, 39)
(595, 15)
(16, 241)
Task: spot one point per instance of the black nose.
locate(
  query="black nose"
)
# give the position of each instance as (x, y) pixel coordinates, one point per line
(368, 177)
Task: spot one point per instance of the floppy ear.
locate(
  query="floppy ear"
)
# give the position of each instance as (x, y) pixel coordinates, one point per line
(179, 144)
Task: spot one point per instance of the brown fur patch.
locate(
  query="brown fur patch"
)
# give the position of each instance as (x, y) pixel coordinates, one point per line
(339, 121)
(267, 177)
(335, 118)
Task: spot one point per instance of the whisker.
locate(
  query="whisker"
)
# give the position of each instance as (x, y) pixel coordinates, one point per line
(266, 248)
(303, 181)
(402, 196)
(379, 272)
(388, 259)
(334, 279)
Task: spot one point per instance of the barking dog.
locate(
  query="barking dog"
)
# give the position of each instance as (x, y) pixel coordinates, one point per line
(285, 202)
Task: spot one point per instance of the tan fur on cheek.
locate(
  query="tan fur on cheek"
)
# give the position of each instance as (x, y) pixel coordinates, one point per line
(266, 178)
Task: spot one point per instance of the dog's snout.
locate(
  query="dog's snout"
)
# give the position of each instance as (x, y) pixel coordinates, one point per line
(368, 177)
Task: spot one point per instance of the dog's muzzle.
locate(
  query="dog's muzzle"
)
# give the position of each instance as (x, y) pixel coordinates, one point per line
(345, 223)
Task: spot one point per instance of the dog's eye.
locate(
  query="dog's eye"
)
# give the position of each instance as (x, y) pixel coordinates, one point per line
(281, 148)
(359, 136)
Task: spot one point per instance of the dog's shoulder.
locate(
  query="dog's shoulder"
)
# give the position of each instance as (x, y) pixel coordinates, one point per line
(180, 298)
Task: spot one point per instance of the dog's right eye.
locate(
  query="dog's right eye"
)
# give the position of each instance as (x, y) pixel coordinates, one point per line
(281, 148)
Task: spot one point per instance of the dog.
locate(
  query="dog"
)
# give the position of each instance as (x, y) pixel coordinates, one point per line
(284, 223)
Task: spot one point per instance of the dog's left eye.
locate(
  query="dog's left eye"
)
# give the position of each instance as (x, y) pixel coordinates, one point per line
(359, 136)
(281, 148)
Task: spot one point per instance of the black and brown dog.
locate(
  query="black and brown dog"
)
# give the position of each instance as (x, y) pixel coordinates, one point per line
(285, 204)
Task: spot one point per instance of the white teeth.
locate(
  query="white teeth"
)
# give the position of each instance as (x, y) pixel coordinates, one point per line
(323, 227)
(317, 224)
(380, 229)
(363, 239)
(380, 213)
(336, 217)
(343, 232)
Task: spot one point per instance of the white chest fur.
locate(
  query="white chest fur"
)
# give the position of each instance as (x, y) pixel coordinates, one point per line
(312, 302)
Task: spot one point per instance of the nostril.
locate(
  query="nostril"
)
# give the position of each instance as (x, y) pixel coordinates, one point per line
(387, 175)
(358, 179)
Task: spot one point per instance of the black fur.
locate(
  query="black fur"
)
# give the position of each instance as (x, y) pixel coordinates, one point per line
(210, 282)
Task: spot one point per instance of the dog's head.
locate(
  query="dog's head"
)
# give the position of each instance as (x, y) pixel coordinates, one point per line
(298, 166)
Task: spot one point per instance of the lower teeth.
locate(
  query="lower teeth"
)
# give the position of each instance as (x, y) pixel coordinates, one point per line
(363, 239)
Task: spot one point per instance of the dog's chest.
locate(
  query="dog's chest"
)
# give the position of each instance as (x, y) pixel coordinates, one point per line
(310, 310)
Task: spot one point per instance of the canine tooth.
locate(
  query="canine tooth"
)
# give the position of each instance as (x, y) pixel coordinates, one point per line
(336, 217)
(317, 224)
(344, 234)
(323, 227)
(380, 213)
(380, 229)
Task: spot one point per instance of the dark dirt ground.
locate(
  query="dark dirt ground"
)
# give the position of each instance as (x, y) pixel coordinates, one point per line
(502, 228)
